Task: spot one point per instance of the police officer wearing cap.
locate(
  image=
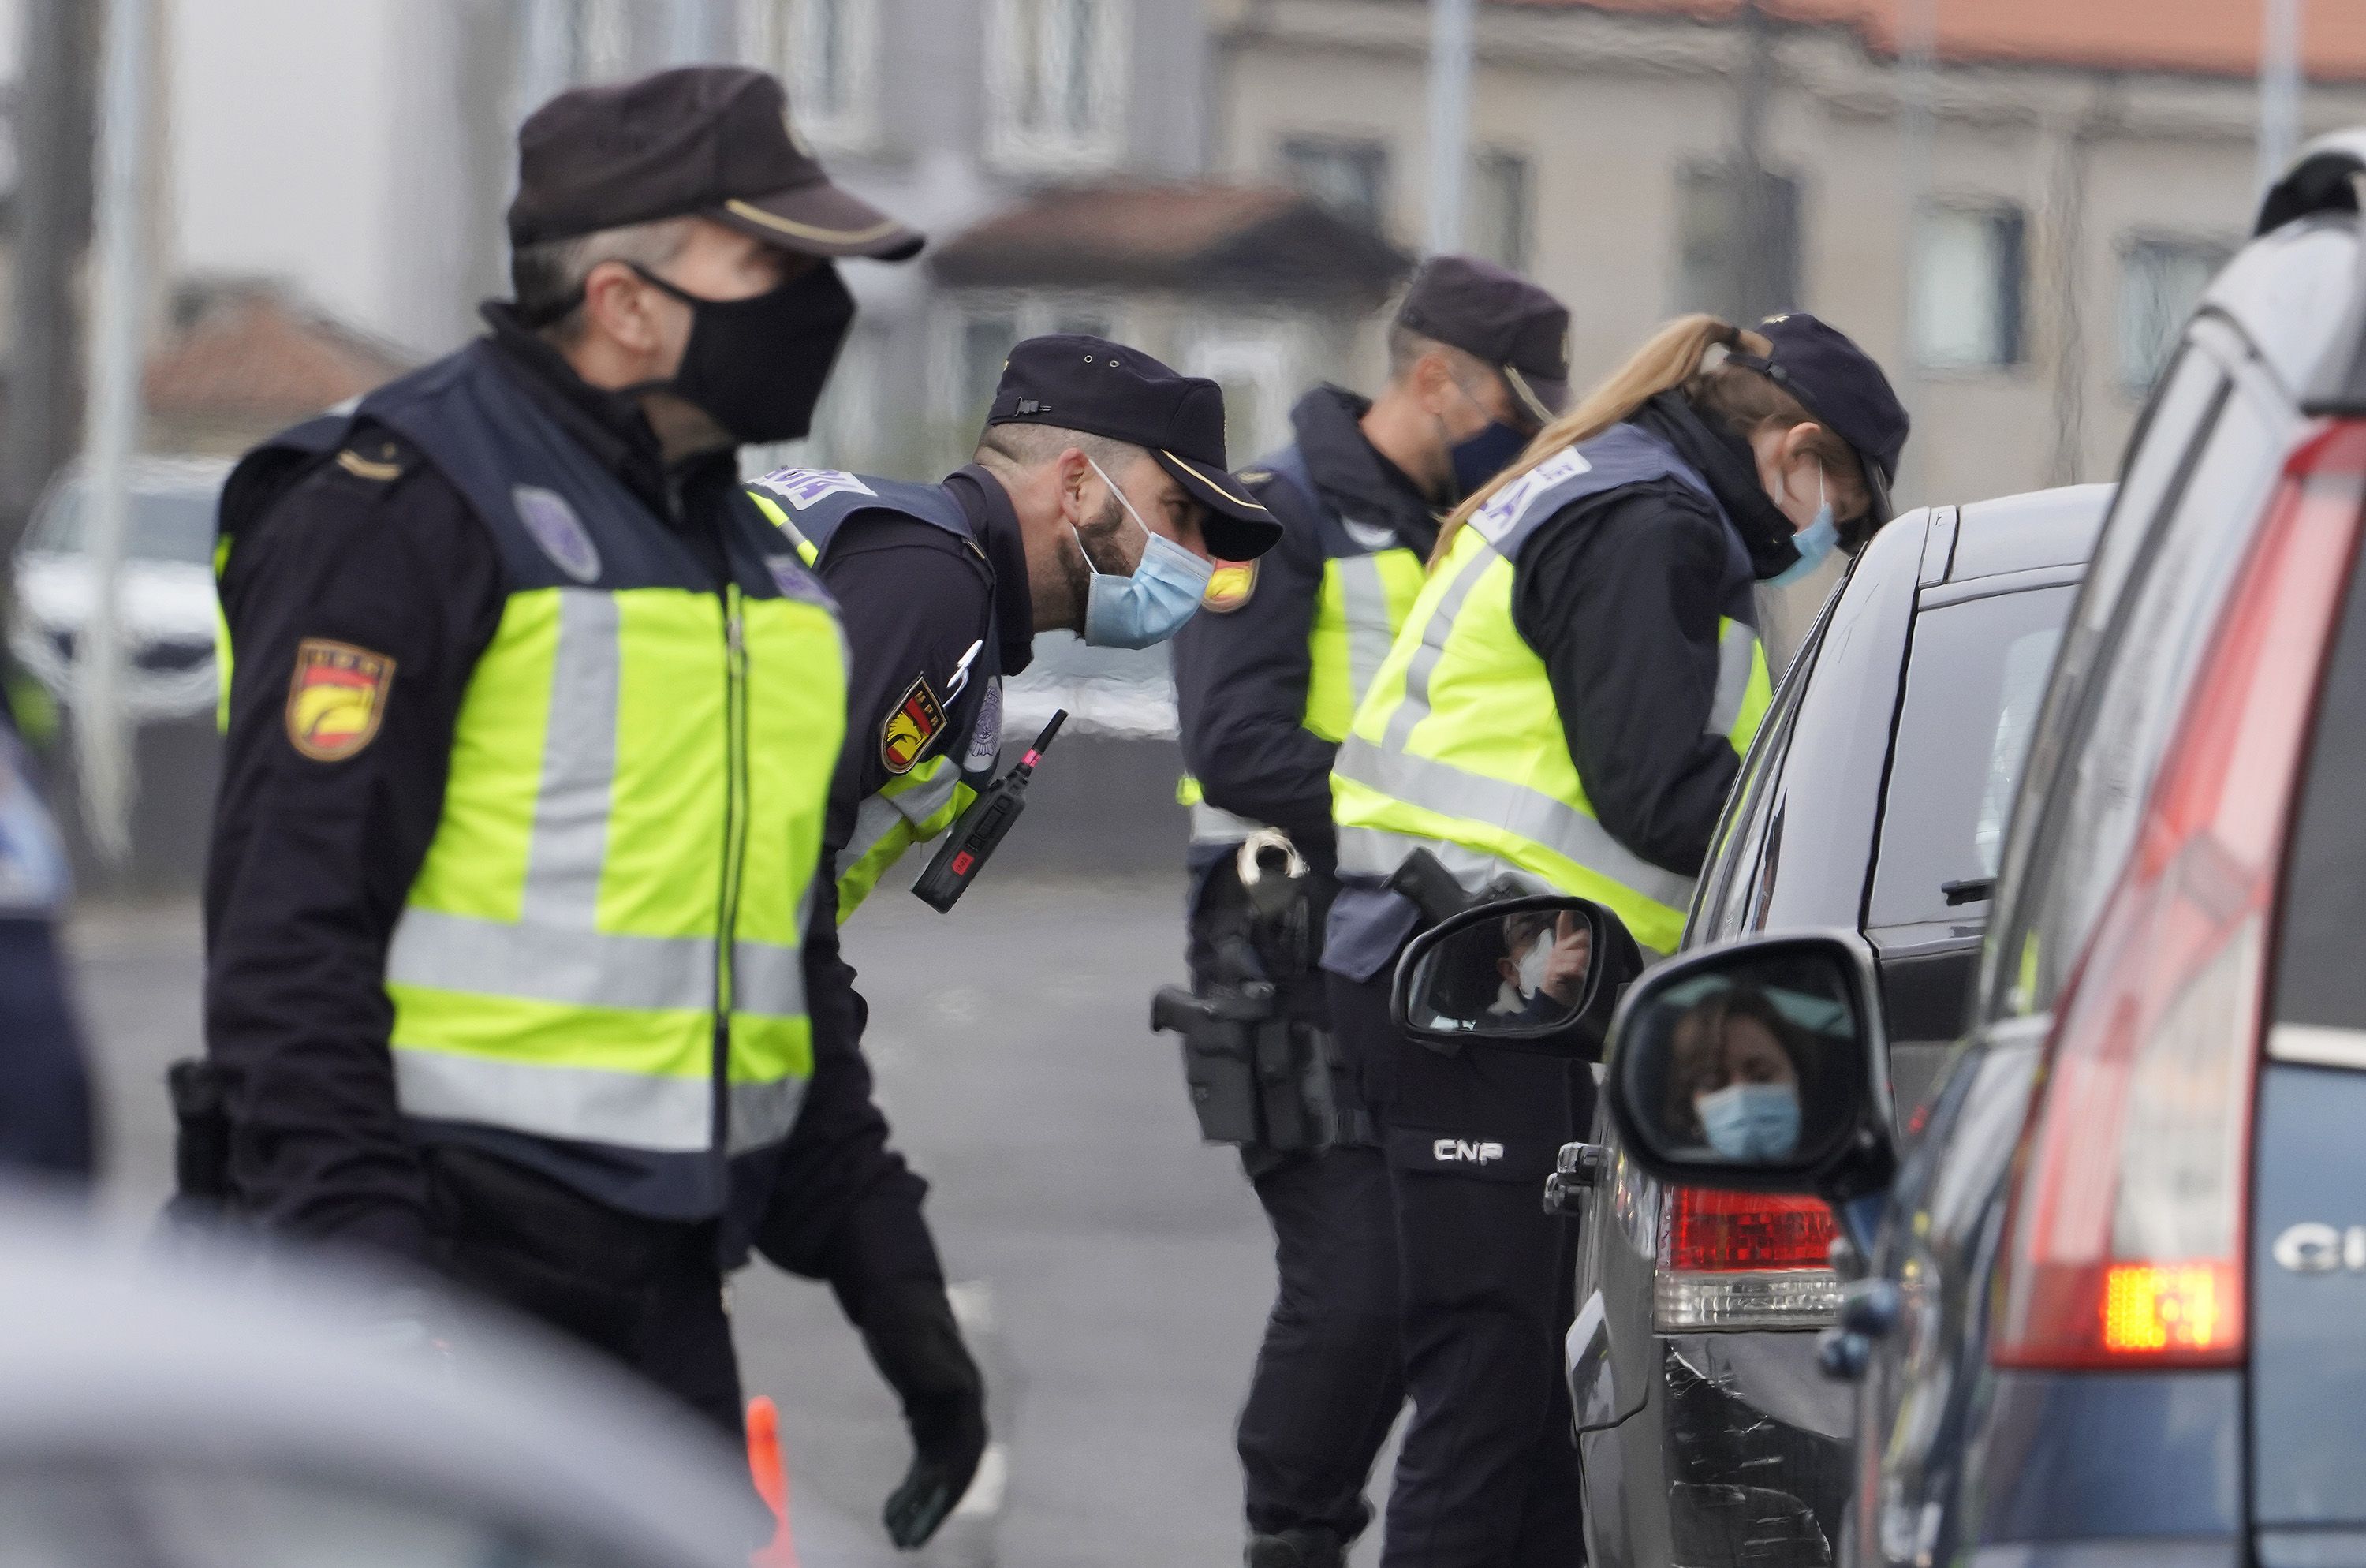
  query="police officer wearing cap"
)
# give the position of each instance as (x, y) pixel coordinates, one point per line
(1094, 501)
(1265, 684)
(521, 965)
(1565, 710)
(1096, 495)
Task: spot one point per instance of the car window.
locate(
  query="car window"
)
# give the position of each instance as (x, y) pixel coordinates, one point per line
(1973, 686)
(166, 525)
(1731, 874)
(2319, 981)
(2119, 721)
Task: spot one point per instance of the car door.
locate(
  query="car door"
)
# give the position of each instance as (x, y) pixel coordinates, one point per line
(2205, 458)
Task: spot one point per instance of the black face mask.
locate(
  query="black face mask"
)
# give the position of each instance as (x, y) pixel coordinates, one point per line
(757, 365)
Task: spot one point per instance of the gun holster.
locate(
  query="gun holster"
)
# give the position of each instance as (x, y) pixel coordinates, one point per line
(1258, 1077)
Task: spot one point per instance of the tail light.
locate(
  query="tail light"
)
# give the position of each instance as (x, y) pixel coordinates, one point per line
(2128, 1221)
(1744, 1260)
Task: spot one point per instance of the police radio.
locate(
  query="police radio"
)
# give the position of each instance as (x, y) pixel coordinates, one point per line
(973, 839)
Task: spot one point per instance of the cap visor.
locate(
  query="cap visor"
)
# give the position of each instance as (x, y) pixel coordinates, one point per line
(1238, 528)
(1541, 397)
(821, 219)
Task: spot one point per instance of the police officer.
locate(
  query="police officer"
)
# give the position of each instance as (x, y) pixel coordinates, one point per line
(520, 966)
(1095, 496)
(1094, 503)
(46, 1126)
(1265, 684)
(1565, 709)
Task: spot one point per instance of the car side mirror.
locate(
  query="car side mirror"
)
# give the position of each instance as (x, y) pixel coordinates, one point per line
(1760, 1065)
(1522, 973)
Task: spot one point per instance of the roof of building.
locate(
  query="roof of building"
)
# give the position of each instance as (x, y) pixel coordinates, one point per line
(2201, 36)
(247, 349)
(1201, 236)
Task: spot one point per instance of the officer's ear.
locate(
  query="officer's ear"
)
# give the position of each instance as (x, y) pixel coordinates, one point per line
(621, 305)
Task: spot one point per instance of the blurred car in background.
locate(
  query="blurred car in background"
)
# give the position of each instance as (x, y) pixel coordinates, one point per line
(167, 594)
(185, 1410)
(1874, 800)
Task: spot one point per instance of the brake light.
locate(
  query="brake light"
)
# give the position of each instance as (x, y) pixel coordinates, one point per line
(1744, 1260)
(2129, 1214)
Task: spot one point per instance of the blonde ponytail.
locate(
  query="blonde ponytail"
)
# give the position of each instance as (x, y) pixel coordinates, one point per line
(1670, 358)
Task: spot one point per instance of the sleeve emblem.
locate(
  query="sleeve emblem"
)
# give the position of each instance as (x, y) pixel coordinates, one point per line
(910, 729)
(335, 698)
(1229, 586)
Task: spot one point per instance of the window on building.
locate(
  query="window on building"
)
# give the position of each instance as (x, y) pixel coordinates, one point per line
(1970, 265)
(1351, 178)
(1057, 81)
(1496, 216)
(827, 53)
(2160, 282)
(1740, 277)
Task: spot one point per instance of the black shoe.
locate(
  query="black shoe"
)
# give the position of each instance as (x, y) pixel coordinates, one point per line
(1309, 1548)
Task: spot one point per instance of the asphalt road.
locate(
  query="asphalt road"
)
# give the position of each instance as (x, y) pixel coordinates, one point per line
(1113, 1272)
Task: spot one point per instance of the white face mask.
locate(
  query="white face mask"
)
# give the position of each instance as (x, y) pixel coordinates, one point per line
(1534, 963)
(1152, 605)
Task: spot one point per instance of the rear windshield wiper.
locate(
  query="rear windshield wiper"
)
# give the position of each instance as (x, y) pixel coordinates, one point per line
(1968, 890)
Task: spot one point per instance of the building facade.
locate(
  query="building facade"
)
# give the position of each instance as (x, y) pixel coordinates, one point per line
(2082, 177)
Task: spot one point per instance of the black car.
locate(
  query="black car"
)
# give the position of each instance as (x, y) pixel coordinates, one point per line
(2110, 1306)
(1874, 799)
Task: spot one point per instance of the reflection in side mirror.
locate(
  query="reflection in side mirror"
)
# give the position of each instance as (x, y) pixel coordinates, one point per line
(1754, 1064)
(1517, 972)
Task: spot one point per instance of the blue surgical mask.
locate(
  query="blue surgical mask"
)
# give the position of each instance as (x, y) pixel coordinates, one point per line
(1151, 605)
(1480, 458)
(1815, 543)
(1758, 1121)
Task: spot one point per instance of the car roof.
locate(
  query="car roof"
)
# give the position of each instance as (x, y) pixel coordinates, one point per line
(245, 1359)
(162, 474)
(2025, 533)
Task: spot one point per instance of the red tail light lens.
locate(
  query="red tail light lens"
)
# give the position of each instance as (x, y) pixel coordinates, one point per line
(2128, 1222)
(1744, 1260)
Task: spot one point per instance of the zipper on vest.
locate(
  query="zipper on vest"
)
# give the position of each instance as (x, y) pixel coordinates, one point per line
(735, 812)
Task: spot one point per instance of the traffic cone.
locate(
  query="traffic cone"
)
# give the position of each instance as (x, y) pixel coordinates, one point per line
(771, 1476)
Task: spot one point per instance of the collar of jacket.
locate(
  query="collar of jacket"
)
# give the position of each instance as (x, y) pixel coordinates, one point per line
(1726, 461)
(609, 425)
(995, 526)
(1355, 480)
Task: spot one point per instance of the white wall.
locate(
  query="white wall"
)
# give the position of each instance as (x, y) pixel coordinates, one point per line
(317, 141)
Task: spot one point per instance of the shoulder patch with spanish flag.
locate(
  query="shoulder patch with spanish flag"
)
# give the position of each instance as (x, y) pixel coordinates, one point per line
(910, 728)
(1229, 586)
(335, 698)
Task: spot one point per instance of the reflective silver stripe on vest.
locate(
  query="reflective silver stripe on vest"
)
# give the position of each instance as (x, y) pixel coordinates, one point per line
(1364, 595)
(1415, 707)
(579, 763)
(1736, 653)
(555, 952)
(1452, 792)
(631, 1111)
(878, 816)
(1214, 824)
(1377, 853)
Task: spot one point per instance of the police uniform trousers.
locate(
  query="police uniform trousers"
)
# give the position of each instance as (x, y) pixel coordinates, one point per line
(648, 1294)
(1488, 1475)
(1327, 1385)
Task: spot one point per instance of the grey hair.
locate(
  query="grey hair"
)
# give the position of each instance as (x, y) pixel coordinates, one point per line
(1022, 447)
(547, 276)
(1406, 346)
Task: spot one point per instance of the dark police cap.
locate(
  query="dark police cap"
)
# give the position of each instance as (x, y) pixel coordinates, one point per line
(1499, 316)
(714, 140)
(1840, 384)
(1090, 384)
